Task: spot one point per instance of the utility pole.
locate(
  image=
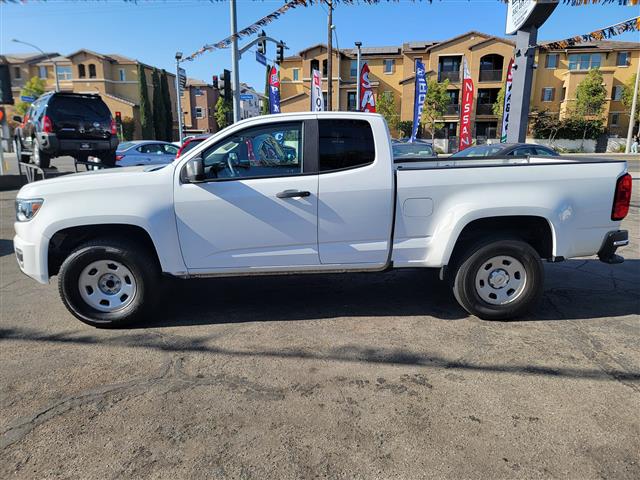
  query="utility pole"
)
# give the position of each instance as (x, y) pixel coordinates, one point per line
(55, 65)
(235, 57)
(329, 54)
(634, 105)
(358, 67)
(178, 95)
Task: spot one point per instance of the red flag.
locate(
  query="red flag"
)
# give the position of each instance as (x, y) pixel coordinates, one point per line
(367, 100)
(467, 107)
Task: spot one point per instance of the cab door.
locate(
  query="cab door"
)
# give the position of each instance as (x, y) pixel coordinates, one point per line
(258, 205)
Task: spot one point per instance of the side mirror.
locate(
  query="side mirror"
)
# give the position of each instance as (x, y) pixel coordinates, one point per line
(17, 118)
(195, 170)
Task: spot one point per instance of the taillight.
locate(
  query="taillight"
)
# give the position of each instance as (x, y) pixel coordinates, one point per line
(119, 157)
(47, 125)
(114, 130)
(622, 198)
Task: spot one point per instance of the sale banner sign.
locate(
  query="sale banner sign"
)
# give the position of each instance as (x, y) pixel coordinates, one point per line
(507, 103)
(367, 100)
(317, 100)
(274, 91)
(467, 107)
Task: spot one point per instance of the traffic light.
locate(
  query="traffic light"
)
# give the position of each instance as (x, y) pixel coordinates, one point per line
(262, 43)
(6, 97)
(280, 52)
(214, 81)
(226, 75)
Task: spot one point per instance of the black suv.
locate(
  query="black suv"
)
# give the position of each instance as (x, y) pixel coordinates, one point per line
(61, 123)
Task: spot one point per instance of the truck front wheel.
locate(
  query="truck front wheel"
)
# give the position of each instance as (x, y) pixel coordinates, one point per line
(109, 283)
(499, 280)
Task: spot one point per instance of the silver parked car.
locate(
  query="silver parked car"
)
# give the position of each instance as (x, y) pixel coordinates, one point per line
(145, 152)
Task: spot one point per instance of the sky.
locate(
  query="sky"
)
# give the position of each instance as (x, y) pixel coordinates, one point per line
(152, 31)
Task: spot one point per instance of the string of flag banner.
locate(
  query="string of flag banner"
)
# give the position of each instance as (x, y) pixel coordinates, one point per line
(631, 25)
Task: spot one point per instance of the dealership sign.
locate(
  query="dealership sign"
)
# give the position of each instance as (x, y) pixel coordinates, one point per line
(317, 100)
(274, 91)
(527, 13)
(467, 106)
(367, 100)
(507, 103)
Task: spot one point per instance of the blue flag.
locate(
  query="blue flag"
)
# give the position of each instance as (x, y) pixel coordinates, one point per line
(420, 95)
(274, 91)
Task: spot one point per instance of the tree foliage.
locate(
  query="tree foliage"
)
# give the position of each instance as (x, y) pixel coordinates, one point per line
(168, 106)
(33, 88)
(405, 127)
(549, 126)
(627, 96)
(223, 110)
(435, 105)
(498, 107)
(128, 128)
(386, 106)
(146, 116)
(159, 121)
(591, 95)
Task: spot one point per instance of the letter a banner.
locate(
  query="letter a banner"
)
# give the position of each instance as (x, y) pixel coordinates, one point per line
(317, 100)
(467, 106)
(274, 91)
(507, 103)
(419, 98)
(367, 100)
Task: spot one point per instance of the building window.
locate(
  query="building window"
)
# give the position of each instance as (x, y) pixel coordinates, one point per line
(623, 59)
(314, 65)
(548, 94)
(551, 61)
(296, 74)
(42, 72)
(64, 72)
(584, 61)
(199, 112)
(617, 92)
(17, 73)
(563, 94)
(353, 69)
(81, 71)
(122, 75)
(415, 61)
(388, 65)
(351, 101)
(615, 117)
(324, 68)
(92, 70)
(198, 92)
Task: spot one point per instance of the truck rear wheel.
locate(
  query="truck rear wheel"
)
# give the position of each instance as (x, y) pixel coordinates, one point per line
(109, 283)
(499, 280)
(40, 159)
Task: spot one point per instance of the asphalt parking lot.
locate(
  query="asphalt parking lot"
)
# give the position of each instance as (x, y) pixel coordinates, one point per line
(326, 376)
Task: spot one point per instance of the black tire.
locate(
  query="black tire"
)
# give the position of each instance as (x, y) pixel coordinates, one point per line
(108, 159)
(479, 256)
(40, 158)
(17, 146)
(137, 259)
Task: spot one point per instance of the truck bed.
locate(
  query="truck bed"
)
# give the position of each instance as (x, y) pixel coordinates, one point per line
(467, 162)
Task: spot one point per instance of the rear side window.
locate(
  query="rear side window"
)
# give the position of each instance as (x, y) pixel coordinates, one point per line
(345, 144)
(86, 108)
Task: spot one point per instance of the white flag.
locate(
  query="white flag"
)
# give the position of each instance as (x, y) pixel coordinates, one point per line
(317, 100)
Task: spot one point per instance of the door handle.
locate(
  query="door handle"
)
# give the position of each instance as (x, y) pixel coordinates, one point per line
(292, 194)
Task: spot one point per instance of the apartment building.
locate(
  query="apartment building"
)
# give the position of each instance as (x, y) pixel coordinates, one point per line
(393, 70)
(198, 107)
(250, 102)
(114, 77)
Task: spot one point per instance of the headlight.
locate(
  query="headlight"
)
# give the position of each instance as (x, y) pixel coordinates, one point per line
(27, 209)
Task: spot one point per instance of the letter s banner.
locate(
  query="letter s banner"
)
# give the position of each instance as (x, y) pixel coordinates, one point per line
(467, 105)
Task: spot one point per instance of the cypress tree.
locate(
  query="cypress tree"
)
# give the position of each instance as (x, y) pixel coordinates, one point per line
(166, 98)
(146, 117)
(159, 126)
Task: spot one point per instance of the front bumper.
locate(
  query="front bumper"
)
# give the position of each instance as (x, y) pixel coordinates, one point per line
(29, 261)
(613, 241)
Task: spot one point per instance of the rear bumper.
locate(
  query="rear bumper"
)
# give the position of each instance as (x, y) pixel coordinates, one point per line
(613, 241)
(51, 144)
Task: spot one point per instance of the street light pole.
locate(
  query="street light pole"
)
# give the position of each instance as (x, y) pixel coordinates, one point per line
(634, 105)
(333, 27)
(235, 57)
(329, 54)
(358, 67)
(55, 65)
(178, 95)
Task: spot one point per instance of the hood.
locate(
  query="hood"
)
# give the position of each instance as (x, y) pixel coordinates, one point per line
(93, 180)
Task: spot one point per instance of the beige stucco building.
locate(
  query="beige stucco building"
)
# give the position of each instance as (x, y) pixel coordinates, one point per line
(198, 107)
(393, 70)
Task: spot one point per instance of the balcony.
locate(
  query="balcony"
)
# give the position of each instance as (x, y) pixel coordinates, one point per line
(453, 77)
(452, 109)
(490, 75)
(484, 109)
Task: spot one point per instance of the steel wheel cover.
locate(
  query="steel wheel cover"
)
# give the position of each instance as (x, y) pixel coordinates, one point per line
(107, 285)
(500, 280)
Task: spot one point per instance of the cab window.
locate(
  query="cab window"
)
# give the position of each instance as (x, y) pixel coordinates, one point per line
(271, 151)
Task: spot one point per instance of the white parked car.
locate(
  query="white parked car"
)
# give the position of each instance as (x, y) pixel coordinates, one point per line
(312, 193)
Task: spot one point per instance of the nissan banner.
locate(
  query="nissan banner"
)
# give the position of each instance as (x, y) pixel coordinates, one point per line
(467, 106)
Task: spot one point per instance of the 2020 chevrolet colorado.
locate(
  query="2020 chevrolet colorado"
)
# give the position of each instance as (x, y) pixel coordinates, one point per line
(316, 192)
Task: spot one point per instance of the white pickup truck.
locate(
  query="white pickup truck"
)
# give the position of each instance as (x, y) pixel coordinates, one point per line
(314, 193)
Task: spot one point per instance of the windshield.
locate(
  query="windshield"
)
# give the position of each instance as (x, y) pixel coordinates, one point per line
(412, 150)
(480, 151)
